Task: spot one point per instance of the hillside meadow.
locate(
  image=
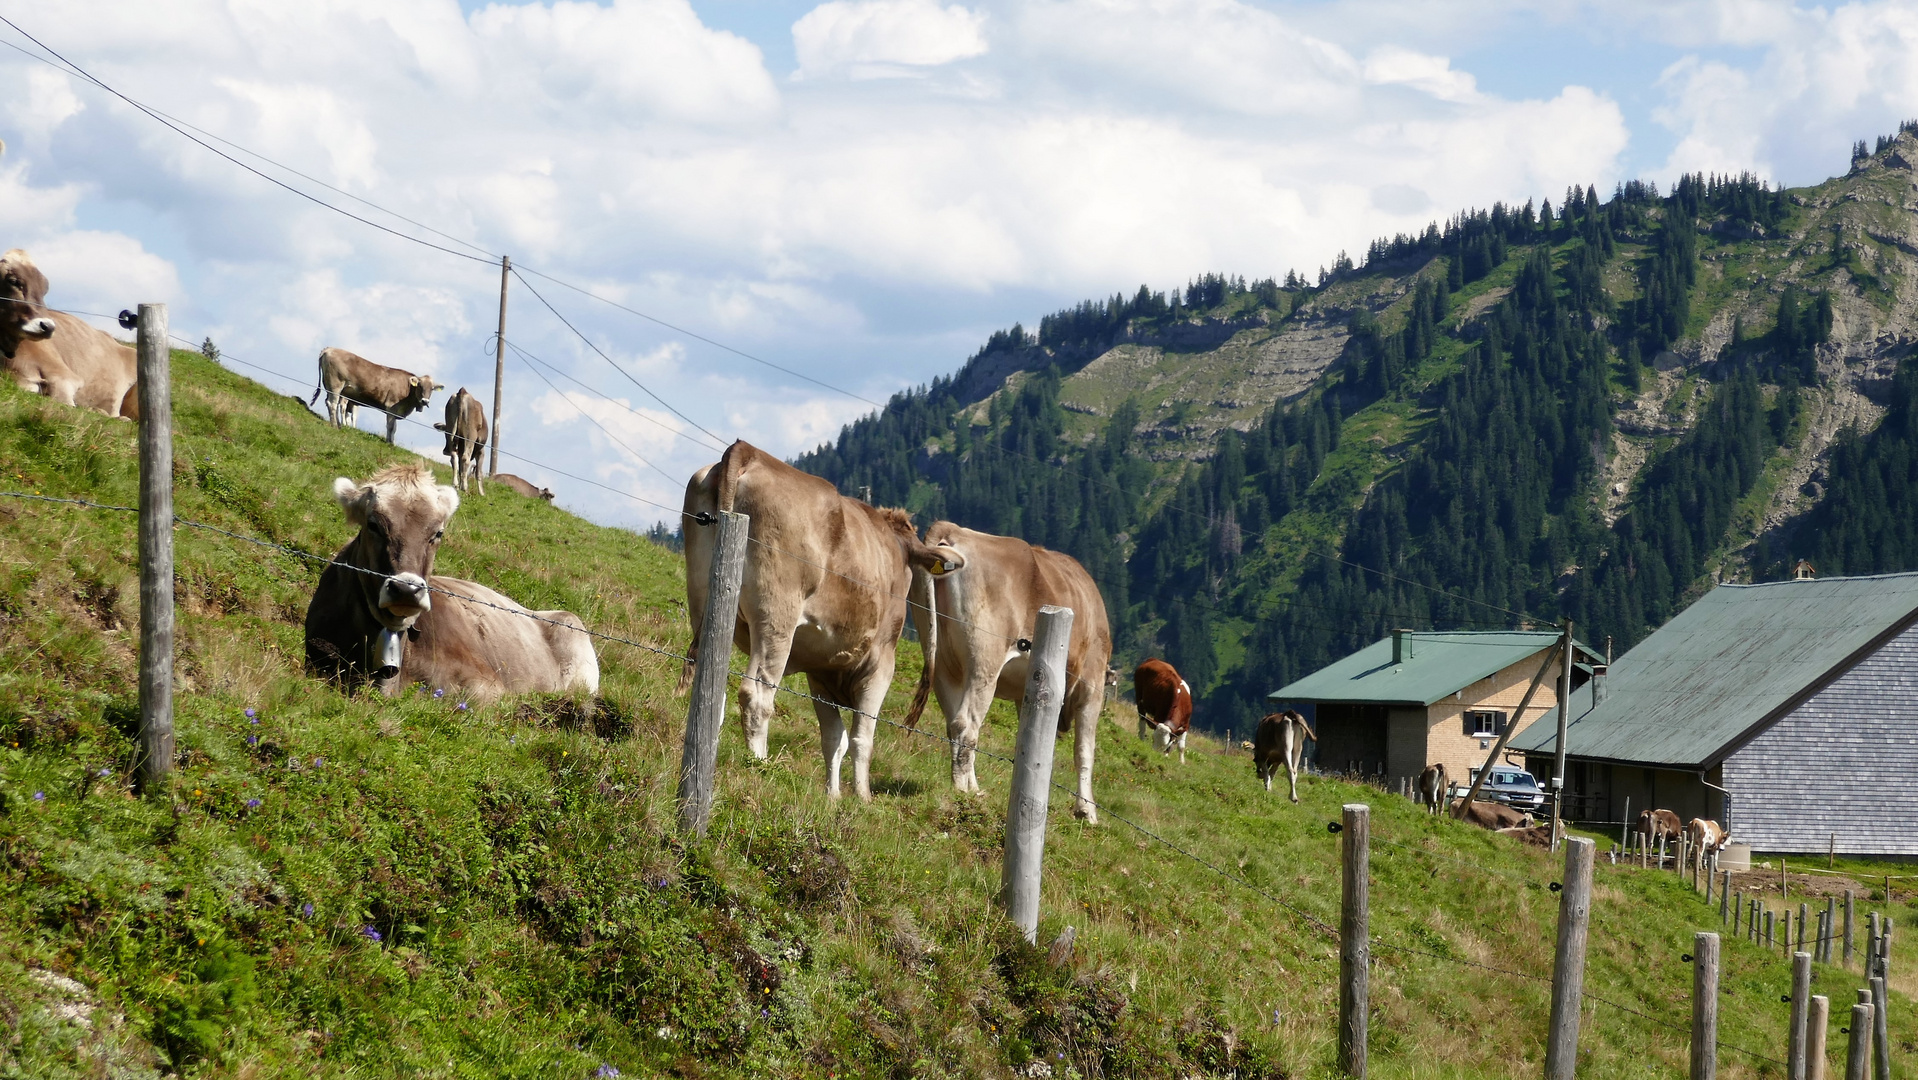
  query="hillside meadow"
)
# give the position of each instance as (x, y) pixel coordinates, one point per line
(340, 886)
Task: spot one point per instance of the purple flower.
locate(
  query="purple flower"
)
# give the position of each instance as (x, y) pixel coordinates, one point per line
(461, 706)
(1275, 1018)
(605, 1071)
(306, 910)
(370, 933)
(439, 692)
(253, 804)
(318, 761)
(253, 740)
(250, 716)
(39, 796)
(106, 773)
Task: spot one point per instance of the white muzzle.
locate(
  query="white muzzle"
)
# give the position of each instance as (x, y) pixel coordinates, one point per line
(37, 328)
(409, 594)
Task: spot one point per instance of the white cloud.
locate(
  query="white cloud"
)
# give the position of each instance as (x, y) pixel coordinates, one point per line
(103, 272)
(1391, 65)
(877, 36)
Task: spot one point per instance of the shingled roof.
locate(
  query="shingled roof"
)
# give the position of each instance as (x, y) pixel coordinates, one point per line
(1728, 667)
(1441, 663)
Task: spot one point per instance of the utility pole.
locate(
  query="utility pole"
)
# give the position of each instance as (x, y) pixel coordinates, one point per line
(1558, 759)
(499, 365)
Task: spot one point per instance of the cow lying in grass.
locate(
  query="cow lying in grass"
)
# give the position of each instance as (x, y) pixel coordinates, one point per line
(55, 354)
(1280, 742)
(1490, 815)
(381, 618)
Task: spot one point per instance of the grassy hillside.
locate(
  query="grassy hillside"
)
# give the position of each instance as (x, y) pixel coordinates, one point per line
(372, 887)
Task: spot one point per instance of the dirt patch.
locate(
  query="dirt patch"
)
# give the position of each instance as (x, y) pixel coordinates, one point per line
(602, 716)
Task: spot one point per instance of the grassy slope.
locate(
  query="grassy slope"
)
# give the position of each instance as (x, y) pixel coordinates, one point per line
(537, 916)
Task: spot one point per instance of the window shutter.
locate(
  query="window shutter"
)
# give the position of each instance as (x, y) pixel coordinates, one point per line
(1471, 722)
(1499, 723)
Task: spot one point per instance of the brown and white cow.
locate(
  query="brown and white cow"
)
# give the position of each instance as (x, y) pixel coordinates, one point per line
(1165, 704)
(824, 592)
(466, 433)
(1707, 837)
(522, 487)
(987, 597)
(1280, 741)
(1432, 785)
(381, 617)
(348, 380)
(1654, 825)
(53, 353)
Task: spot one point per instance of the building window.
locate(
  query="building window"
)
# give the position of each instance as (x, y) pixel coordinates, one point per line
(1484, 723)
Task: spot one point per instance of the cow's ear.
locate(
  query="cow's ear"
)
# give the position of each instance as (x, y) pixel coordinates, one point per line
(352, 499)
(948, 561)
(413, 380)
(449, 501)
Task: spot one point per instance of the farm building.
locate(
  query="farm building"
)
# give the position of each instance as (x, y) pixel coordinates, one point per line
(1419, 698)
(1788, 711)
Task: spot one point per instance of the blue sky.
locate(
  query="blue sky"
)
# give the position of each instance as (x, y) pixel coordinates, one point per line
(859, 190)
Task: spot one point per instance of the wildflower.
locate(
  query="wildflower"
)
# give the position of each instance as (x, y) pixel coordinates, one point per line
(605, 1070)
(253, 804)
(1275, 1018)
(370, 933)
(439, 692)
(250, 716)
(461, 706)
(318, 761)
(39, 796)
(253, 740)
(306, 910)
(106, 773)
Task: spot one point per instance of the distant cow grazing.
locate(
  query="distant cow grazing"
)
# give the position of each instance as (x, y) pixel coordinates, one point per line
(380, 617)
(1654, 825)
(1165, 704)
(465, 429)
(508, 480)
(824, 592)
(1432, 784)
(986, 597)
(1280, 741)
(54, 354)
(348, 380)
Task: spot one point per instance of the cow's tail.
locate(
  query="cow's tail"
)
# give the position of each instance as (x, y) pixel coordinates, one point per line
(922, 601)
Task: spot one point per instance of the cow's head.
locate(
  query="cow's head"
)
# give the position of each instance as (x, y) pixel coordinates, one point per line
(935, 559)
(23, 299)
(546, 493)
(402, 515)
(419, 394)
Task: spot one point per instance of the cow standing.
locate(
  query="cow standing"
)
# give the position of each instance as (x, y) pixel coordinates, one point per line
(1165, 704)
(1280, 740)
(823, 593)
(522, 487)
(55, 354)
(381, 617)
(1432, 785)
(349, 380)
(985, 599)
(1654, 825)
(466, 433)
(1707, 838)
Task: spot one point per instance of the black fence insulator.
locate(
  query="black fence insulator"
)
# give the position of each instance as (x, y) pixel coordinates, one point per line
(1333, 827)
(705, 517)
(1025, 645)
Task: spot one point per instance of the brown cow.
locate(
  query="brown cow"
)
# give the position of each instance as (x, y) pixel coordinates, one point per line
(1654, 825)
(1165, 704)
(1280, 740)
(1491, 815)
(466, 432)
(514, 483)
(375, 619)
(348, 380)
(987, 598)
(1432, 785)
(824, 592)
(53, 353)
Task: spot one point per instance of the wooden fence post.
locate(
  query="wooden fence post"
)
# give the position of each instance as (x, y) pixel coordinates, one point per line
(1355, 945)
(156, 546)
(1880, 1029)
(1858, 1046)
(1704, 1006)
(1800, 1003)
(1725, 899)
(707, 708)
(1817, 1026)
(1568, 965)
(1848, 927)
(1031, 789)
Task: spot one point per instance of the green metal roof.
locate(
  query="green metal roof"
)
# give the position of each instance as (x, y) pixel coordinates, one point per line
(1442, 663)
(1727, 667)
